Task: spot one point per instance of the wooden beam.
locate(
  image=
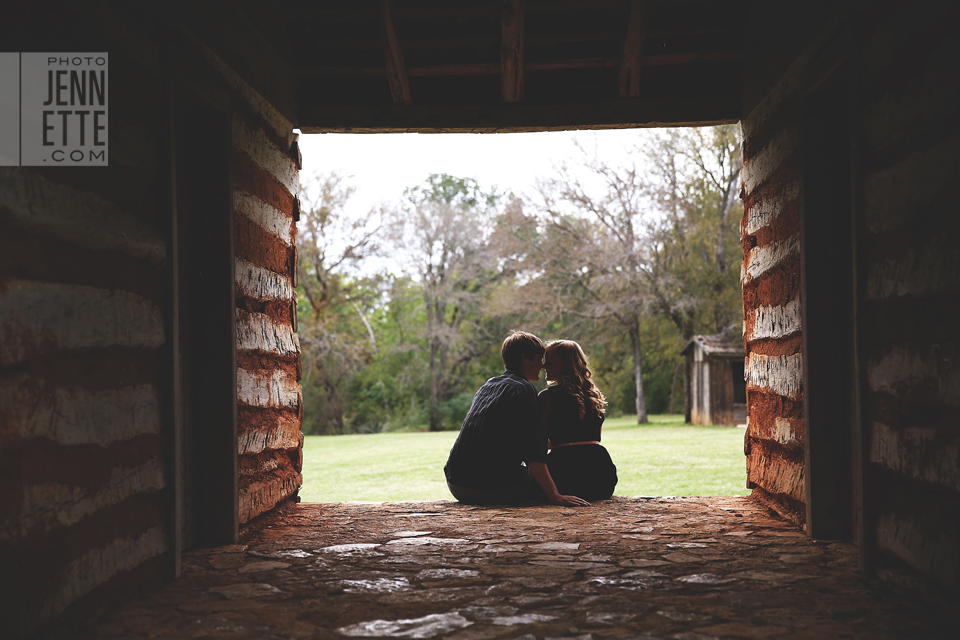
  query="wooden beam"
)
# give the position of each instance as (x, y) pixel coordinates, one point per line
(511, 50)
(631, 60)
(492, 68)
(610, 114)
(396, 68)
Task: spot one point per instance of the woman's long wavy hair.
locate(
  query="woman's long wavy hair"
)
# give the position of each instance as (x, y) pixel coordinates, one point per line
(576, 377)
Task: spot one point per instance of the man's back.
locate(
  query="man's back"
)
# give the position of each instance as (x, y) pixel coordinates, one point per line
(499, 432)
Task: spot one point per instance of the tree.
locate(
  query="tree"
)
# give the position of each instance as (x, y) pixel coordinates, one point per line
(694, 247)
(443, 233)
(657, 237)
(592, 251)
(335, 335)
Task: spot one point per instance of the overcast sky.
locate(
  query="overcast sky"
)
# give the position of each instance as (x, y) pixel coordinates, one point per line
(383, 165)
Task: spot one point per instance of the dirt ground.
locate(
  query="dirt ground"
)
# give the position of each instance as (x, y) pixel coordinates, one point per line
(682, 568)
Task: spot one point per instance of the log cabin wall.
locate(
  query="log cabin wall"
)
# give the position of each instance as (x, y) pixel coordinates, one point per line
(84, 332)
(88, 471)
(770, 276)
(909, 263)
(891, 69)
(270, 408)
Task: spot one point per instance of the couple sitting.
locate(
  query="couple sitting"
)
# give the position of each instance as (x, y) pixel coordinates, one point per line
(508, 425)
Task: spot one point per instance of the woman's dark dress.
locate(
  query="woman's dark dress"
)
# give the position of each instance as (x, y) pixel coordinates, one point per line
(583, 470)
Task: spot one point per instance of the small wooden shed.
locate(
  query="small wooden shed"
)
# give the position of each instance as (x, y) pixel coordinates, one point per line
(716, 386)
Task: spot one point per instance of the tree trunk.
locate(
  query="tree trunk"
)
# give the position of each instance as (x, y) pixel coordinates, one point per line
(435, 418)
(687, 401)
(638, 374)
(673, 384)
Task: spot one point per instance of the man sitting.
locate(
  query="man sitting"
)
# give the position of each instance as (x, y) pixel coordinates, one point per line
(500, 433)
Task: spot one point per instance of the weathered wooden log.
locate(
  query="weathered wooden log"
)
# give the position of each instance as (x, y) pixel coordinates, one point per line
(762, 259)
(79, 218)
(47, 505)
(268, 217)
(775, 473)
(928, 454)
(41, 318)
(786, 432)
(260, 332)
(102, 563)
(262, 150)
(261, 284)
(268, 389)
(774, 321)
(68, 415)
(766, 210)
(263, 495)
(780, 374)
(284, 435)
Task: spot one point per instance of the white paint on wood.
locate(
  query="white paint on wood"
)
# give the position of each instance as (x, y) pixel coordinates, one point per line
(262, 284)
(268, 389)
(920, 453)
(899, 370)
(53, 504)
(46, 318)
(283, 434)
(260, 332)
(776, 321)
(767, 210)
(99, 565)
(266, 216)
(784, 434)
(762, 259)
(263, 496)
(761, 166)
(265, 154)
(781, 374)
(72, 416)
(78, 218)
(933, 267)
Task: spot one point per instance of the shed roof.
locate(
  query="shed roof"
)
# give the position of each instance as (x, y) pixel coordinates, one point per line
(722, 345)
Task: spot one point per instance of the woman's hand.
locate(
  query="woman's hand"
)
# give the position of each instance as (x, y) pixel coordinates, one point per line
(542, 475)
(570, 501)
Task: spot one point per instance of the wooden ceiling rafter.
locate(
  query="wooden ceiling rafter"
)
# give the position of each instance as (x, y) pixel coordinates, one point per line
(631, 62)
(395, 67)
(492, 68)
(511, 50)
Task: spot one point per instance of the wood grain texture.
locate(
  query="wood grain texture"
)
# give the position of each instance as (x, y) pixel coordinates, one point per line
(511, 50)
(42, 318)
(396, 66)
(631, 60)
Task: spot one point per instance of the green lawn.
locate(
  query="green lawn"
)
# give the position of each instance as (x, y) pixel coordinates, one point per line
(663, 458)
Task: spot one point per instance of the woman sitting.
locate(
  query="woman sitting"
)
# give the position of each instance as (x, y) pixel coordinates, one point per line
(572, 411)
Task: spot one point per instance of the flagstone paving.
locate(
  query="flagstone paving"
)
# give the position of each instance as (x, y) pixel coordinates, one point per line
(682, 568)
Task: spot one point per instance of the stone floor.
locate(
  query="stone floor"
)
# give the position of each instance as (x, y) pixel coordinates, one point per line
(684, 568)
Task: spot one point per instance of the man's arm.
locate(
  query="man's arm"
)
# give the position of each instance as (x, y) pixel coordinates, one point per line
(542, 475)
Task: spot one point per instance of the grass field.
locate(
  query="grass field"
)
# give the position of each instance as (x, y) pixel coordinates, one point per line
(663, 458)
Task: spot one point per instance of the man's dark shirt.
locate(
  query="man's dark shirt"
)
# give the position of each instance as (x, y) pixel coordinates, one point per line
(501, 430)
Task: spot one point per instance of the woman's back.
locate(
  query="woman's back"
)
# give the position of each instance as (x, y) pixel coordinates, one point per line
(565, 424)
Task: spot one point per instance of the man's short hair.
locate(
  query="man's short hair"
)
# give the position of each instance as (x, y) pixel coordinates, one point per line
(519, 344)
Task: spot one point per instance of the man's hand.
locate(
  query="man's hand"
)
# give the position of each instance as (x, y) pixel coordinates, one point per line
(542, 475)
